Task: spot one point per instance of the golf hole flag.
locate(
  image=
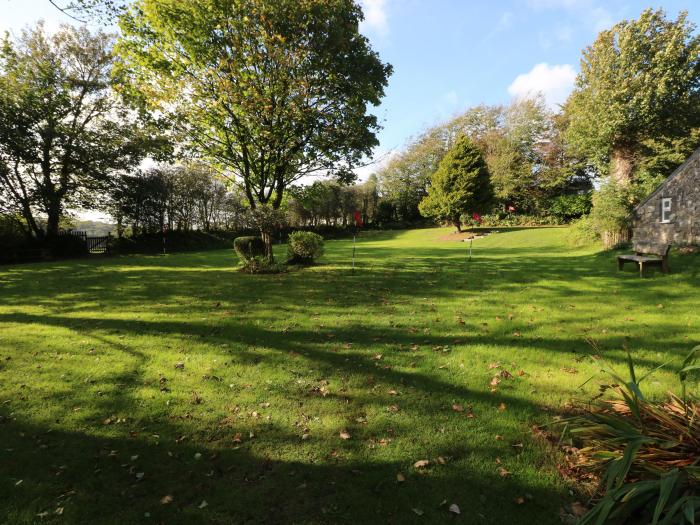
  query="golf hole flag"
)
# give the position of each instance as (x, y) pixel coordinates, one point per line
(358, 219)
(476, 217)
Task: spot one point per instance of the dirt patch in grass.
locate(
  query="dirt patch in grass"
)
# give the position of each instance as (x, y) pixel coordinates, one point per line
(463, 236)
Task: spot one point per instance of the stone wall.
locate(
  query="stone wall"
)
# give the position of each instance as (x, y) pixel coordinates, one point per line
(684, 190)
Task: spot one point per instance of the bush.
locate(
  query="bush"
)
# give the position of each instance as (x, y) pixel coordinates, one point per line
(568, 207)
(612, 208)
(645, 453)
(261, 264)
(304, 247)
(583, 232)
(506, 220)
(176, 241)
(249, 247)
(66, 246)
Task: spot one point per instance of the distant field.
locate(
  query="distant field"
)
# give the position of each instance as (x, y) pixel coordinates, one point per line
(173, 389)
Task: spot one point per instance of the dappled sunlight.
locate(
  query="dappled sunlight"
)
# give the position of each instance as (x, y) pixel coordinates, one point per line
(420, 354)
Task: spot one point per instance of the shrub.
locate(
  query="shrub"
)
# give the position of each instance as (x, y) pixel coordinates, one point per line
(646, 453)
(506, 220)
(583, 232)
(568, 207)
(261, 264)
(249, 247)
(612, 208)
(304, 247)
(65, 246)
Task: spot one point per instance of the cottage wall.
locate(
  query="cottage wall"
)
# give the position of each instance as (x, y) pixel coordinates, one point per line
(684, 226)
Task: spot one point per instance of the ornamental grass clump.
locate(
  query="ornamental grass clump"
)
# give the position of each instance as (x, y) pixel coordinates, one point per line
(645, 453)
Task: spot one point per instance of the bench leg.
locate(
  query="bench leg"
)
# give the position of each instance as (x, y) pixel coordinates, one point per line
(620, 264)
(641, 269)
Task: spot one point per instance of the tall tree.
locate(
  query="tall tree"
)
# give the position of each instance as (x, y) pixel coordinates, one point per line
(460, 185)
(639, 80)
(271, 90)
(62, 128)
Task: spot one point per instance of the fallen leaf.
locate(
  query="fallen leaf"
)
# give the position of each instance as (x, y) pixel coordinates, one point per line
(421, 463)
(454, 508)
(180, 365)
(203, 504)
(458, 408)
(503, 472)
(400, 477)
(519, 500)
(344, 434)
(418, 512)
(502, 407)
(165, 500)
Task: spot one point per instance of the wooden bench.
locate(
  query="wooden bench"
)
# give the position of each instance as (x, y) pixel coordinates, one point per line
(646, 255)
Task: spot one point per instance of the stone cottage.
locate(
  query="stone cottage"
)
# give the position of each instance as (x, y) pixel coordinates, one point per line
(671, 215)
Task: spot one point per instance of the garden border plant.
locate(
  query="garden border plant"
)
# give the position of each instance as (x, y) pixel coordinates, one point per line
(646, 453)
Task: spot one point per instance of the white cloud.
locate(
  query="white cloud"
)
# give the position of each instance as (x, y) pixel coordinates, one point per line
(376, 18)
(553, 82)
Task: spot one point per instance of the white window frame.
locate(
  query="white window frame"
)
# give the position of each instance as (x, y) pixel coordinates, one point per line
(666, 208)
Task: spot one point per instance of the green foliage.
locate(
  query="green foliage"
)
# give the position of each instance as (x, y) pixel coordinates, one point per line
(67, 246)
(249, 247)
(646, 452)
(304, 247)
(567, 207)
(262, 76)
(508, 220)
(638, 81)
(460, 185)
(611, 212)
(260, 264)
(62, 127)
(583, 232)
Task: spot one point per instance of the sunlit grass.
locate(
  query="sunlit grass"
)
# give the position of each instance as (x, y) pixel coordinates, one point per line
(98, 421)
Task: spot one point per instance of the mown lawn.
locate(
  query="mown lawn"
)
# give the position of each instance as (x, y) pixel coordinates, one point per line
(98, 425)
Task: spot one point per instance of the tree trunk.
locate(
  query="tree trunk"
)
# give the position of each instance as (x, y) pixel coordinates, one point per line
(267, 239)
(622, 163)
(458, 225)
(53, 218)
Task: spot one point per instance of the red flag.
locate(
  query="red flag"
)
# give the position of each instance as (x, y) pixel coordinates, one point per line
(476, 217)
(358, 220)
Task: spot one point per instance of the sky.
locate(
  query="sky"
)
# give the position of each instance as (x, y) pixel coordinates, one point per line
(449, 55)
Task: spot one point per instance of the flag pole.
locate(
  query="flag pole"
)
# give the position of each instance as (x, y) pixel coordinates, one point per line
(470, 249)
(354, 235)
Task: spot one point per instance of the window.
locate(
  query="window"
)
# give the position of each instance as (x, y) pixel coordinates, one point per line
(666, 209)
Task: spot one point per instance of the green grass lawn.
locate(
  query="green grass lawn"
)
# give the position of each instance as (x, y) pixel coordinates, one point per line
(98, 425)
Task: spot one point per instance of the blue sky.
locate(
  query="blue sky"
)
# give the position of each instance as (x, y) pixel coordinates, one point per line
(452, 54)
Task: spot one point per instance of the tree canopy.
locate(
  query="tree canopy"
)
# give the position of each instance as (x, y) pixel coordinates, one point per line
(62, 128)
(271, 90)
(639, 80)
(460, 185)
